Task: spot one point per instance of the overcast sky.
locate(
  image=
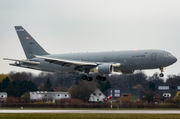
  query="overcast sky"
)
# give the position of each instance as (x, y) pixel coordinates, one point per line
(64, 26)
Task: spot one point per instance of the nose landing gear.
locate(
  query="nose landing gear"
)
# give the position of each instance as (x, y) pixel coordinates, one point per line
(161, 74)
(162, 70)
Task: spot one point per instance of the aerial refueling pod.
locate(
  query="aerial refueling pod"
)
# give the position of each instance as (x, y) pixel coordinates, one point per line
(103, 69)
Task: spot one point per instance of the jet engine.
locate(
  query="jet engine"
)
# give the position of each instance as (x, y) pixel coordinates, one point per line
(103, 69)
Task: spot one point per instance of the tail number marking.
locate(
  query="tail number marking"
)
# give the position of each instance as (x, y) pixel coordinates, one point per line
(20, 30)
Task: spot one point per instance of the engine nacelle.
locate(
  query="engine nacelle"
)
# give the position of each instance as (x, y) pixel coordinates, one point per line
(103, 69)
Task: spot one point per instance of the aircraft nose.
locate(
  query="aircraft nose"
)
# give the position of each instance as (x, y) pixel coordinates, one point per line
(171, 60)
(175, 59)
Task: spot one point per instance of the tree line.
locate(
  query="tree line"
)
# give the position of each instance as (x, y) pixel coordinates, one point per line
(17, 87)
(16, 83)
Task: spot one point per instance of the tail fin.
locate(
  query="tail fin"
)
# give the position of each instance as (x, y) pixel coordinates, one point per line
(28, 43)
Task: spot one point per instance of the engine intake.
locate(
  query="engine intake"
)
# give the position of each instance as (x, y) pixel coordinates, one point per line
(103, 69)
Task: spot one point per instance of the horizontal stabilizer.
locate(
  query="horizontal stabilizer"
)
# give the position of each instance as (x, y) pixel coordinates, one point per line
(32, 68)
(25, 61)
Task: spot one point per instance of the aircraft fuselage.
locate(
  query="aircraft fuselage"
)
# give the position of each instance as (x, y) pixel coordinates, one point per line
(129, 60)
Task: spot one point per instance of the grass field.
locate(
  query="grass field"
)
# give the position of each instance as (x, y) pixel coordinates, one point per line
(87, 116)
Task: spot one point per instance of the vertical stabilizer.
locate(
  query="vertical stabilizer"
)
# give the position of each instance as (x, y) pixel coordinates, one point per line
(28, 43)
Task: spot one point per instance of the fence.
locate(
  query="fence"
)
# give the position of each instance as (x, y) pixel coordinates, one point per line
(91, 105)
(84, 105)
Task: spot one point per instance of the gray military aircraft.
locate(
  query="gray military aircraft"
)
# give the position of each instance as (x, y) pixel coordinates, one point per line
(102, 63)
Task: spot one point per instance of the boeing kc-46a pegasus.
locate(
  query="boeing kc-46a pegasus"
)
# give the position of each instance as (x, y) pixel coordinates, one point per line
(102, 63)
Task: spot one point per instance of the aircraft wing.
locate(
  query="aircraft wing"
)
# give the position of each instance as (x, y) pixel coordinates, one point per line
(24, 61)
(65, 62)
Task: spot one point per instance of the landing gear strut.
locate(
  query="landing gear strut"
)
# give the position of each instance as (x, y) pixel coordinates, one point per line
(162, 70)
(98, 77)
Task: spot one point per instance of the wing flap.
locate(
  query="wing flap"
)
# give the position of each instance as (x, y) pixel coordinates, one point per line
(25, 61)
(65, 62)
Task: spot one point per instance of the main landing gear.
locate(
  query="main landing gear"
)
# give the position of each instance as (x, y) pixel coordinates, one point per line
(98, 77)
(162, 70)
(87, 78)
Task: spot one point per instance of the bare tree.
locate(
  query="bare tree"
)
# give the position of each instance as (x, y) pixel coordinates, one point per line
(83, 90)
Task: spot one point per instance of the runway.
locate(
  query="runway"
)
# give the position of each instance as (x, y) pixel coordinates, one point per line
(94, 111)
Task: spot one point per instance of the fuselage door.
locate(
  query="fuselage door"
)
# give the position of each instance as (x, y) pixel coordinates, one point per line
(105, 59)
(153, 57)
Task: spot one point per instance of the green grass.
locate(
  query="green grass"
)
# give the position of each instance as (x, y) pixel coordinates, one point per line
(87, 116)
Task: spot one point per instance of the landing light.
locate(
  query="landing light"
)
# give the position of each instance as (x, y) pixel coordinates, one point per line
(135, 50)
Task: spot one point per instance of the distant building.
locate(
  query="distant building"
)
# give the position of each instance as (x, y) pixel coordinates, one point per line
(97, 96)
(48, 95)
(3, 96)
(167, 92)
(115, 93)
(125, 94)
(125, 97)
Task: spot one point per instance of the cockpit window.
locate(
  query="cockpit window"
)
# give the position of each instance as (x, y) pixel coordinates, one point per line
(168, 54)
